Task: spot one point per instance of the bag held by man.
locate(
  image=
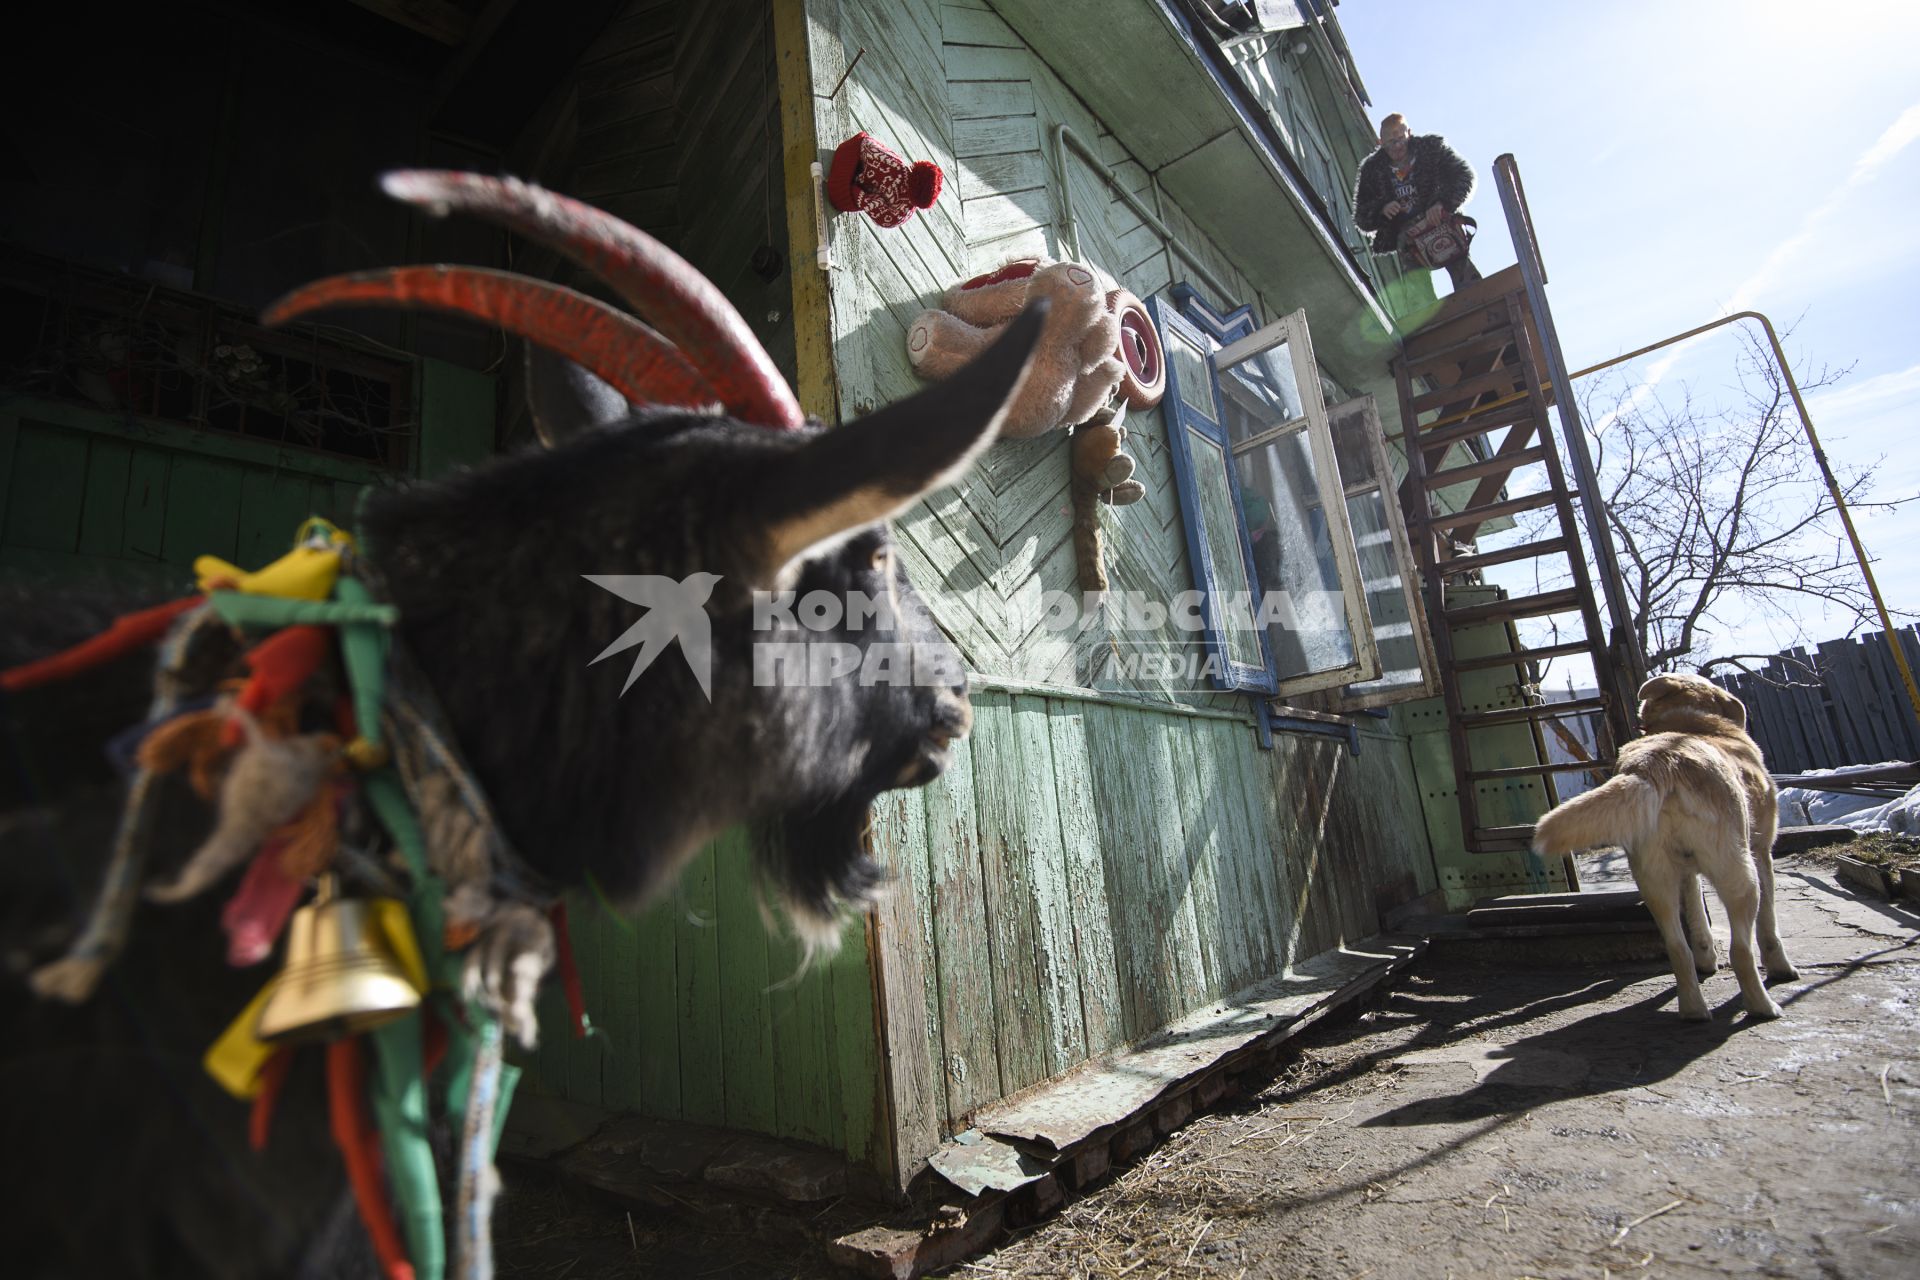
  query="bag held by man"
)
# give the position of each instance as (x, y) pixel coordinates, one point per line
(1435, 244)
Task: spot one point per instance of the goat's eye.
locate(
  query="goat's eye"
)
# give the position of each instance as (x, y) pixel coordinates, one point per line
(881, 558)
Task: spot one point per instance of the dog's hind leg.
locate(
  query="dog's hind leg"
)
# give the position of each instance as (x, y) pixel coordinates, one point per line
(1771, 952)
(1693, 903)
(1662, 890)
(1740, 895)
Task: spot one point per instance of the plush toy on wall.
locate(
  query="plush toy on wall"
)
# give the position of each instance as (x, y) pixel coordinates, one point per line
(1098, 341)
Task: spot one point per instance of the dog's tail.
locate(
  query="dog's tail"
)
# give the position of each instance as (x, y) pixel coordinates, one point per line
(1624, 810)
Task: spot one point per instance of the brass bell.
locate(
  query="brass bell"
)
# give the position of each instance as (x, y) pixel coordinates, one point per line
(340, 978)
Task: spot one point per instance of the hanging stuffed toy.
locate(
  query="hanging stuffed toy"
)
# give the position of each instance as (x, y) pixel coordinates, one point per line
(1093, 346)
(872, 178)
(268, 783)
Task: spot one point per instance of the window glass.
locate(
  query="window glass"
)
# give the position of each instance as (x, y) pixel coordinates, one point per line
(1354, 451)
(1293, 554)
(1316, 620)
(1388, 578)
(1386, 592)
(1262, 393)
(1222, 529)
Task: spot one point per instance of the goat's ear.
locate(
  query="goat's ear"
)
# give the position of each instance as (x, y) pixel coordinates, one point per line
(565, 399)
(879, 465)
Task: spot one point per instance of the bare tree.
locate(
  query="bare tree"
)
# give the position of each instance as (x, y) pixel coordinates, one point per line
(1711, 507)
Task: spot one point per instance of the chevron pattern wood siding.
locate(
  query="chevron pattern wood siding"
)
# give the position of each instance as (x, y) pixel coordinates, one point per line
(1099, 860)
(1095, 864)
(953, 84)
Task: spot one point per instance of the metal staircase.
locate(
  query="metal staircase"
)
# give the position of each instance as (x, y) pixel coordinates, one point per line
(1486, 367)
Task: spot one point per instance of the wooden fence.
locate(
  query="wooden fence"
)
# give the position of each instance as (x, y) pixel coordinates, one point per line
(1842, 704)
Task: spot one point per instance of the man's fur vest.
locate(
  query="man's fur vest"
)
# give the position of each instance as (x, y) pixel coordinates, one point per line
(1440, 177)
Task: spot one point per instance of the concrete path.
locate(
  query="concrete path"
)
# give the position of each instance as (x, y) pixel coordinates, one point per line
(1531, 1121)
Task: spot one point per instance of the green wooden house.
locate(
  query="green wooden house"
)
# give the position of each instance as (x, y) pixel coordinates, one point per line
(1114, 849)
(1121, 843)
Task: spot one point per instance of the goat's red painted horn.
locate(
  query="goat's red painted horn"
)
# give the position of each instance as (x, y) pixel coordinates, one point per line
(637, 362)
(661, 286)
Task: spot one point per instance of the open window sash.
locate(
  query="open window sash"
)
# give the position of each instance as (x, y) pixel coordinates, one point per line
(1210, 498)
(1301, 538)
(1389, 580)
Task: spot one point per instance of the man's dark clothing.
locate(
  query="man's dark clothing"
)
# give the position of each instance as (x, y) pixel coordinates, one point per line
(1438, 176)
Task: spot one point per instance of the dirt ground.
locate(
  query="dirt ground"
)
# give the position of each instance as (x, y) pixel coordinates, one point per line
(1484, 1121)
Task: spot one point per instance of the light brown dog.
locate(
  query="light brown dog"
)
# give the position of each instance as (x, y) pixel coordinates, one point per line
(1692, 798)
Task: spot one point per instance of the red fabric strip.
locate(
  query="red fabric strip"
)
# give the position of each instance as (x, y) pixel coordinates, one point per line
(129, 632)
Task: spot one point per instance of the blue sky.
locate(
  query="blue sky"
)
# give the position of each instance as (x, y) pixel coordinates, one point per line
(1686, 159)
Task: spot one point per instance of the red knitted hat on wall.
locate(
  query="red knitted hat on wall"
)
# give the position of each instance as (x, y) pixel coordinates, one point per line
(870, 177)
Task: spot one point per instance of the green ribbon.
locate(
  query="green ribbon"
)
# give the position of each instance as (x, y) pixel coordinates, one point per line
(244, 609)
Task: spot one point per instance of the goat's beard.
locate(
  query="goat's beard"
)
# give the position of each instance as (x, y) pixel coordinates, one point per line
(820, 867)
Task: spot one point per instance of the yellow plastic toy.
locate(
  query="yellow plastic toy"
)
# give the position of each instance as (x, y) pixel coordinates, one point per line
(307, 572)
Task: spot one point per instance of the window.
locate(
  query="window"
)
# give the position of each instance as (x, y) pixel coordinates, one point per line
(1292, 524)
(1389, 580)
(1221, 554)
(1297, 520)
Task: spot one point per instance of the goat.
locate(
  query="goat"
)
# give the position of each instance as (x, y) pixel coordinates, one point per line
(598, 775)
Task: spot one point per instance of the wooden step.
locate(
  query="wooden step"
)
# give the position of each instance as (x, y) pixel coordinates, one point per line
(1520, 715)
(1505, 555)
(1518, 607)
(1501, 464)
(1494, 510)
(1501, 381)
(1491, 838)
(1441, 439)
(1487, 291)
(1462, 328)
(1496, 342)
(1534, 770)
(1505, 411)
(1519, 656)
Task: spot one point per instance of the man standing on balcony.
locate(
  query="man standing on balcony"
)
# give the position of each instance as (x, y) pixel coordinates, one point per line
(1409, 184)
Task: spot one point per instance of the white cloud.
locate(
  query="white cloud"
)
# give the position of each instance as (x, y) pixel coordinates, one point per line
(1902, 133)
(1895, 139)
(1897, 390)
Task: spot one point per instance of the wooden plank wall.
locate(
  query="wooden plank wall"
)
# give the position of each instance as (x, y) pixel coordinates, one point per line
(953, 84)
(1842, 704)
(701, 1011)
(702, 1014)
(1088, 872)
(96, 499)
(1088, 869)
(1093, 866)
(671, 122)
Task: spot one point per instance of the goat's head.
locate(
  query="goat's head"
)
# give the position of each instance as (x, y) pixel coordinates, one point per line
(515, 578)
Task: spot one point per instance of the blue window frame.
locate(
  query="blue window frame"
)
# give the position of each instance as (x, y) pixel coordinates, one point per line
(1269, 509)
(1209, 484)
